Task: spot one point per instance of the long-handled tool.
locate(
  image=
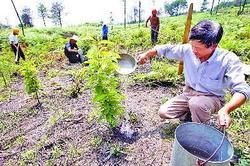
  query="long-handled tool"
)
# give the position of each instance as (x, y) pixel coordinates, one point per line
(186, 34)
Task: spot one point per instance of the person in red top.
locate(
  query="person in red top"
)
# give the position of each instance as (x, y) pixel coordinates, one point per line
(155, 25)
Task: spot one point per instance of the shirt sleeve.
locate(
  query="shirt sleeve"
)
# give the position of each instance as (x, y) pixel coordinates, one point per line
(11, 39)
(236, 77)
(172, 51)
(67, 46)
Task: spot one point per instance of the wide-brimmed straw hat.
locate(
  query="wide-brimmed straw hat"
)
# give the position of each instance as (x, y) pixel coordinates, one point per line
(15, 30)
(74, 37)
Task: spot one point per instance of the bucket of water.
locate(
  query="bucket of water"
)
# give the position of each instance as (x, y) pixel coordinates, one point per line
(196, 142)
(126, 64)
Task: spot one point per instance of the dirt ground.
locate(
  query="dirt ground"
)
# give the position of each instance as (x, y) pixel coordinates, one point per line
(59, 132)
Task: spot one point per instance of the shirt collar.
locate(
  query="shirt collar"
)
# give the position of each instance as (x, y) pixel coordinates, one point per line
(213, 56)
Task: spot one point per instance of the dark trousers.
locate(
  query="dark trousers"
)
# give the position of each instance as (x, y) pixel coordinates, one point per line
(154, 35)
(20, 53)
(74, 57)
(105, 37)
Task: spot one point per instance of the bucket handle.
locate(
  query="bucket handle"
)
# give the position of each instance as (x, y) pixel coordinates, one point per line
(200, 162)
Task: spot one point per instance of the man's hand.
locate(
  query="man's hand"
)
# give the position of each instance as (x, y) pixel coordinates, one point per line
(224, 118)
(142, 58)
(223, 115)
(146, 56)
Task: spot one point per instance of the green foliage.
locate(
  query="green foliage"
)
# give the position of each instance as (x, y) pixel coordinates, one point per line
(56, 152)
(2, 126)
(116, 150)
(162, 72)
(73, 151)
(102, 80)
(240, 128)
(28, 156)
(31, 81)
(133, 117)
(6, 69)
(96, 141)
(87, 42)
(75, 89)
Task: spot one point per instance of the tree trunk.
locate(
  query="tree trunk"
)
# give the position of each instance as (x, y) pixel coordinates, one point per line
(18, 16)
(139, 13)
(125, 13)
(211, 11)
(239, 11)
(217, 6)
(44, 21)
(60, 19)
(244, 3)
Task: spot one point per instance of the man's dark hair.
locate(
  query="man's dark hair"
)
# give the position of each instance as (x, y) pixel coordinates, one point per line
(207, 32)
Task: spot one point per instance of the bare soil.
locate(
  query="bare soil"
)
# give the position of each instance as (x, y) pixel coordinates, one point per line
(59, 131)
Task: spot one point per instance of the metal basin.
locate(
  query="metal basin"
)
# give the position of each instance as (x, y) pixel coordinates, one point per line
(126, 64)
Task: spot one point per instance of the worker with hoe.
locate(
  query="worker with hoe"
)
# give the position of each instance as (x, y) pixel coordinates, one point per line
(209, 71)
(72, 52)
(14, 43)
(155, 26)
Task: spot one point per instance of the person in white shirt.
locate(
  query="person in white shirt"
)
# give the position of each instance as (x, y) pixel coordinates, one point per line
(209, 72)
(15, 45)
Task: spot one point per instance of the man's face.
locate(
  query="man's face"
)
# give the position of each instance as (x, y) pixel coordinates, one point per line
(15, 33)
(73, 41)
(201, 51)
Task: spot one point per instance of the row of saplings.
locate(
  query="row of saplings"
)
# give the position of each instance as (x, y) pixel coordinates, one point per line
(99, 76)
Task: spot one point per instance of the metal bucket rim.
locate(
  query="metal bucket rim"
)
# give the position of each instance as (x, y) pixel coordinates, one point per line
(132, 60)
(213, 162)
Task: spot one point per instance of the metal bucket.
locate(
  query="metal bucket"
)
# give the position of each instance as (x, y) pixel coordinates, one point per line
(127, 64)
(195, 142)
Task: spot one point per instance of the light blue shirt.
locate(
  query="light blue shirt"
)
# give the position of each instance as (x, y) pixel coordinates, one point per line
(221, 71)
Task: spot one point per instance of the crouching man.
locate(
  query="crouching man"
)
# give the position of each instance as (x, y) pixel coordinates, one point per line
(209, 72)
(72, 52)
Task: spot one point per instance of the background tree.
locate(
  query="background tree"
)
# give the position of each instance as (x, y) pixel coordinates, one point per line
(241, 6)
(56, 13)
(217, 7)
(211, 10)
(135, 12)
(26, 17)
(226, 4)
(111, 20)
(204, 5)
(176, 7)
(42, 12)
